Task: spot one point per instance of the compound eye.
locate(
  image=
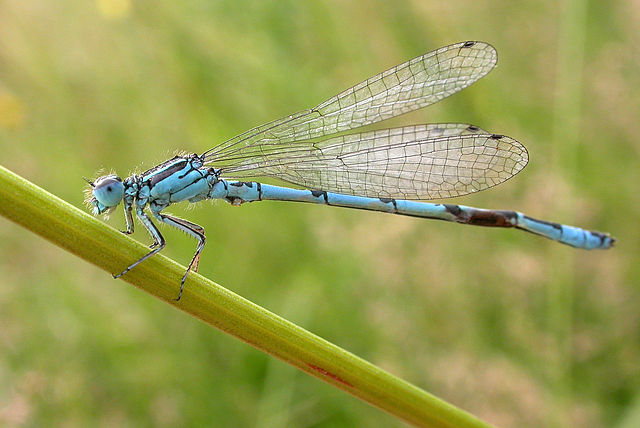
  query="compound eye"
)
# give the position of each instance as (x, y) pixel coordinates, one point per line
(108, 190)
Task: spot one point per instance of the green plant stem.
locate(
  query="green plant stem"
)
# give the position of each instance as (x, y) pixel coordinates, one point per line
(105, 247)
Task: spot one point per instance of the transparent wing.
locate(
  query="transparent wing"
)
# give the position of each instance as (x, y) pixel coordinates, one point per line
(413, 162)
(409, 86)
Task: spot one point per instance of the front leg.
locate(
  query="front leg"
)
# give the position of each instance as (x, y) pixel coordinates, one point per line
(155, 234)
(128, 216)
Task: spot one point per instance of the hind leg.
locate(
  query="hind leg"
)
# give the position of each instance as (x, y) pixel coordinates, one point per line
(191, 229)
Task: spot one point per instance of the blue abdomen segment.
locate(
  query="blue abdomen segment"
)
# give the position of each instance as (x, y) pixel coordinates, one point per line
(570, 235)
(238, 192)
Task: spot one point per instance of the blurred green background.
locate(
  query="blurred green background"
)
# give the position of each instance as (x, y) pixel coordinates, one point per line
(518, 330)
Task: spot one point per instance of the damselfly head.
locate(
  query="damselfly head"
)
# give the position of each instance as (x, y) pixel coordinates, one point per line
(105, 193)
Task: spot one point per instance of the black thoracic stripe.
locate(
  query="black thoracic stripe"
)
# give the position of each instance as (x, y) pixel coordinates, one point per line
(157, 177)
(192, 169)
(259, 186)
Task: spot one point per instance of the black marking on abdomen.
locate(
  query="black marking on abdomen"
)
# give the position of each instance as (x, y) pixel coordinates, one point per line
(548, 223)
(453, 209)
(493, 218)
(318, 193)
(603, 237)
(390, 201)
(487, 218)
(259, 187)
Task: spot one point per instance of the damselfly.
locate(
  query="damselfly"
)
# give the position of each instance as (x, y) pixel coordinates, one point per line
(383, 170)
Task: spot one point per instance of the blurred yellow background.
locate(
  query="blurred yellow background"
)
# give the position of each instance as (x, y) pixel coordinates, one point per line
(516, 329)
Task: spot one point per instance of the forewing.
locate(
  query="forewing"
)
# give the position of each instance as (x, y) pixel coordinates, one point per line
(409, 86)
